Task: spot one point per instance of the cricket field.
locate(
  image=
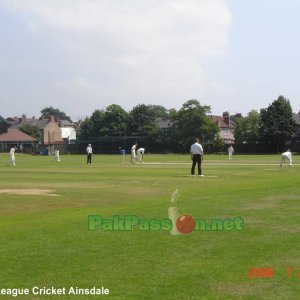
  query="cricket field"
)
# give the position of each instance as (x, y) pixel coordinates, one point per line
(63, 233)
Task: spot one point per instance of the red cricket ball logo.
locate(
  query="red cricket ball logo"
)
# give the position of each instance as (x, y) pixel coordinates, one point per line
(185, 224)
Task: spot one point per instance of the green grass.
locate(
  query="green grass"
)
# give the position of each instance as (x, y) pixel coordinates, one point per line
(44, 240)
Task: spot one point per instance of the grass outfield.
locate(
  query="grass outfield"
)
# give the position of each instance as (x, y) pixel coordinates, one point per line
(45, 241)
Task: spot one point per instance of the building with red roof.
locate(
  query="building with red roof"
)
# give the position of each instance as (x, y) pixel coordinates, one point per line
(13, 136)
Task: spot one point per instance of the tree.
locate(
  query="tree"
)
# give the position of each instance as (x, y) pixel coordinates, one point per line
(85, 129)
(96, 122)
(172, 113)
(192, 121)
(240, 130)
(142, 121)
(159, 111)
(114, 121)
(277, 124)
(31, 130)
(248, 128)
(47, 112)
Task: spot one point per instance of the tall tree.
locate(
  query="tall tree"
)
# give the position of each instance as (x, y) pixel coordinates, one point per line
(96, 120)
(277, 124)
(114, 121)
(47, 112)
(192, 121)
(85, 129)
(240, 130)
(248, 128)
(142, 121)
(159, 111)
(111, 121)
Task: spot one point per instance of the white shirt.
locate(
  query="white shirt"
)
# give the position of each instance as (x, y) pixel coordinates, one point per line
(140, 151)
(230, 150)
(196, 149)
(12, 152)
(133, 149)
(89, 150)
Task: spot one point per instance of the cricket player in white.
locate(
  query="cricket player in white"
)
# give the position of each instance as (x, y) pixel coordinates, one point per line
(56, 155)
(12, 159)
(140, 153)
(133, 154)
(286, 156)
(230, 152)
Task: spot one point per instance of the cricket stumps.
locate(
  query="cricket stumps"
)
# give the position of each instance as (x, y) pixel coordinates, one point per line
(173, 216)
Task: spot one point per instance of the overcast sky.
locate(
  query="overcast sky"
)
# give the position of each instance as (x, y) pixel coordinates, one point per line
(82, 55)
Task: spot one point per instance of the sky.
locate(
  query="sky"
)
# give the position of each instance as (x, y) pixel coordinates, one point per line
(82, 55)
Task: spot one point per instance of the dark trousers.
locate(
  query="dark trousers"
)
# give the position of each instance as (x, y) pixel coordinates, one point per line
(89, 158)
(196, 160)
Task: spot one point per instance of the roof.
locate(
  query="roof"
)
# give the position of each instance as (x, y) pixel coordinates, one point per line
(15, 135)
(296, 118)
(41, 124)
(164, 123)
(65, 123)
(220, 122)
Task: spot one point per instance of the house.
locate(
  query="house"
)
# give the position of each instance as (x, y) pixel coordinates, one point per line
(68, 131)
(13, 136)
(164, 123)
(50, 132)
(226, 126)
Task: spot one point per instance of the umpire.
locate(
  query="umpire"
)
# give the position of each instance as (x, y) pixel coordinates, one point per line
(197, 157)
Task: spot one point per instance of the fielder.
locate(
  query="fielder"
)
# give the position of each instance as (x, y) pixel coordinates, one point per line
(56, 155)
(12, 159)
(140, 154)
(286, 156)
(230, 152)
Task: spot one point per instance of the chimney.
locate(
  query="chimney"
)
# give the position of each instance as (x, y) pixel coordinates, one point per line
(52, 119)
(23, 118)
(226, 117)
